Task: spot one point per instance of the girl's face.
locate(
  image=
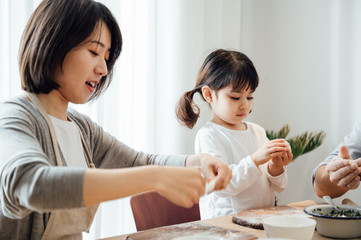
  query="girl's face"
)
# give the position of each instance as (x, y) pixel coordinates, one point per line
(231, 107)
(84, 66)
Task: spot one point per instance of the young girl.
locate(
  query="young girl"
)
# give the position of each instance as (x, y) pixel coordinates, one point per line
(227, 81)
(53, 159)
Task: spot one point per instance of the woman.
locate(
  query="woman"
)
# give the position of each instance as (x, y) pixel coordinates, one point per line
(52, 158)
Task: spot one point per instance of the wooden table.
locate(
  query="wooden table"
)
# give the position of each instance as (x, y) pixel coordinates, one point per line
(226, 222)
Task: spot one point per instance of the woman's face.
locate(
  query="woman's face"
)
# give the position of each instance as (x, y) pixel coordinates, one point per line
(231, 107)
(84, 66)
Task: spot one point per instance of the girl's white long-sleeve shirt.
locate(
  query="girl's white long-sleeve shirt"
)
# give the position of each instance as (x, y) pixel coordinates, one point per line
(250, 186)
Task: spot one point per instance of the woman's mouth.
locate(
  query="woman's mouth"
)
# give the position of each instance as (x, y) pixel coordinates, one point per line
(90, 85)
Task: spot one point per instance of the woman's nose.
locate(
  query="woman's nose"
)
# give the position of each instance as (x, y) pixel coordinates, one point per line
(102, 68)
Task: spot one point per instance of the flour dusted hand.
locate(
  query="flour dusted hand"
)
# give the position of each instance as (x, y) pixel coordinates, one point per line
(212, 168)
(182, 186)
(343, 170)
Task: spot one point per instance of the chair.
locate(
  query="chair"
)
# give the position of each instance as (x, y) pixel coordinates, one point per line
(151, 210)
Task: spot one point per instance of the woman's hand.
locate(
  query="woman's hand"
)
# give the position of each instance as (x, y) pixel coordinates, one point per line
(182, 186)
(271, 149)
(211, 168)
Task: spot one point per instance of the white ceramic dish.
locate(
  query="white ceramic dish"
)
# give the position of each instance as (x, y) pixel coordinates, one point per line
(288, 226)
(335, 227)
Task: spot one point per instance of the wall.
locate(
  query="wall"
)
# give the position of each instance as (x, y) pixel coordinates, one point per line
(307, 55)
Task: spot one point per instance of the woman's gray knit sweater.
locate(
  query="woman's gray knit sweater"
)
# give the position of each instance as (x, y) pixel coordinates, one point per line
(32, 185)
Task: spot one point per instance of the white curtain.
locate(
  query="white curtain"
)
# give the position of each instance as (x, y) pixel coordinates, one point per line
(307, 54)
(164, 45)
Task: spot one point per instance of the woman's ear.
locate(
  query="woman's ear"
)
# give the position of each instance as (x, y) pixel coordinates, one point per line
(207, 93)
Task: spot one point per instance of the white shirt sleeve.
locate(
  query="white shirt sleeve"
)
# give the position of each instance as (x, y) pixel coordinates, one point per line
(278, 183)
(244, 174)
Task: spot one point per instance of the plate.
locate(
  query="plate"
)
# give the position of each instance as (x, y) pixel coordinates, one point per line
(198, 237)
(275, 239)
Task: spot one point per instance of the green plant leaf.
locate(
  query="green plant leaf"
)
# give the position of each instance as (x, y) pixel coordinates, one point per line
(300, 144)
(315, 140)
(282, 133)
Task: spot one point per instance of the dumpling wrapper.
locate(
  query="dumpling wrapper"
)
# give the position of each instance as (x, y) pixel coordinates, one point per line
(210, 186)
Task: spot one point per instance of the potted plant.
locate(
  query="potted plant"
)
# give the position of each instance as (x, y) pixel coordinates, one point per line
(300, 144)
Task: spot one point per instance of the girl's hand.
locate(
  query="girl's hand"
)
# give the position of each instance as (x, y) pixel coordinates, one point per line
(269, 150)
(275, 166)
(212, 168)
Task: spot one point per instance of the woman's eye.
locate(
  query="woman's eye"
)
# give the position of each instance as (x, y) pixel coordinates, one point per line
(94, 53)
(250, 98)
(235, 98)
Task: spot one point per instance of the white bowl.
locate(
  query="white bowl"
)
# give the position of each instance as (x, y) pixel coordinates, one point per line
(288, 226)
(335, 227)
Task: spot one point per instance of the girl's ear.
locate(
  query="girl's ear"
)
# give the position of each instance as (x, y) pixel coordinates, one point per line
(207, 94)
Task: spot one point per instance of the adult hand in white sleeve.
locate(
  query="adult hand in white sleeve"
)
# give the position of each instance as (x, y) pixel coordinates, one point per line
(343, 171)
(340, 175)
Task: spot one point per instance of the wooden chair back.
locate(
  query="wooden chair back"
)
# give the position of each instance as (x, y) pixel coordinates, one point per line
(151, 210)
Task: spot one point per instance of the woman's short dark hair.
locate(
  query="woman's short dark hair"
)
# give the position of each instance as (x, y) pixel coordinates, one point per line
(56, 27)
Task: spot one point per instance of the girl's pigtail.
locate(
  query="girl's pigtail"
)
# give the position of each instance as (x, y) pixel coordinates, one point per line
(187, 111)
